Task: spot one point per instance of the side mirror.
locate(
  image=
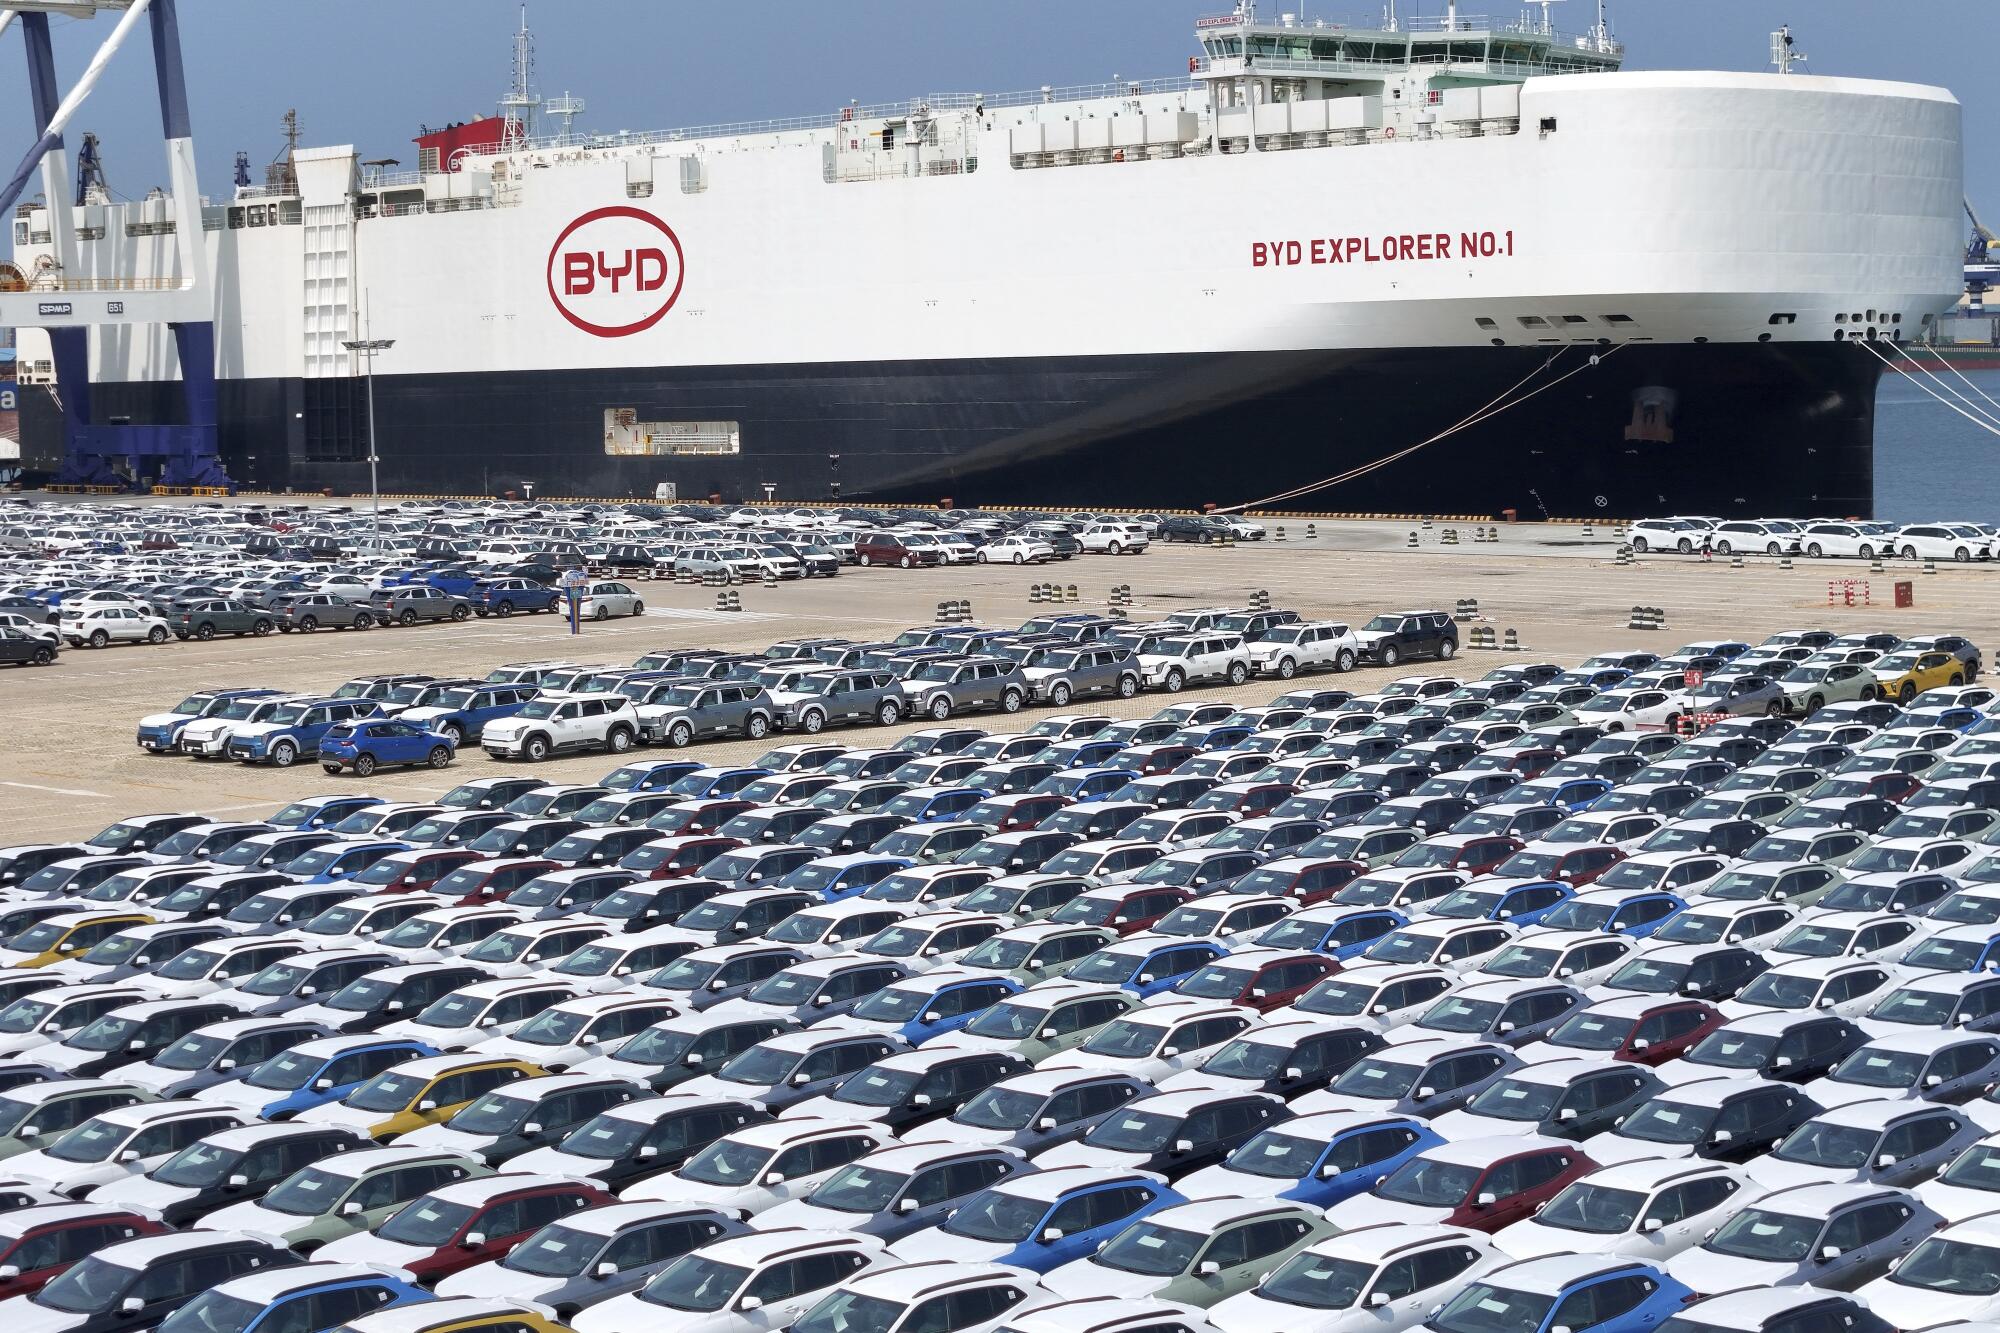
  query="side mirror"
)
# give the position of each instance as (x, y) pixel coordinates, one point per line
(1046, 1034)
(906, 1205)
(1294, 1072)
(692, 1060)
(648, 1152)
(717, 984)
(1183, 1145)
(800, 1080)
(350, 1209)
(774, 1178)
(1823, 1002)
(473, 1240)
(532, 1128)
(920, 1099)
(131, 1305)
(488, 1021)
(749, 1303)
(135, 1045)
(820, 1000)
(322, 1084)
(1724, 1136)
(1487, 1198)
(8, 1272)
(1930, 1081)
(1377, 1299)
(1051, 1235)
(1566, 1114)
(1828, 1253)
(224, 1065)
(1650, 1225)
(127, 1155)
(1328, 1171)
(393, 1007)
(1046, 1122)
(1565, 972)
(1640, 1043)
(605, 1270)
(428, 1104)
(236, 1182)
(1171, 1051)
(1378, 1009)
(1207, 1268)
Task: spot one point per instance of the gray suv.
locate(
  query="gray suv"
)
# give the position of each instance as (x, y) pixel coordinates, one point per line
(840, 696)
(690, 710)
(939, 689)
(1060, 674)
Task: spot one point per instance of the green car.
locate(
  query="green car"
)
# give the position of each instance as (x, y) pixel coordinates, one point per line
(1044, 1019)
(37, 1114)
(1038, 953)
(1794, 883)
(209, 616)
(343, 1195)
(1194, 1253)
(1810, 687)
(1376, 847)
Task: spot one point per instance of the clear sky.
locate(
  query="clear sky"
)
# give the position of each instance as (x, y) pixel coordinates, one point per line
(368, 72)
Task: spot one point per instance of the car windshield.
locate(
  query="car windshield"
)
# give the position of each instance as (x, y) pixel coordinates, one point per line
(695, 1283)
(1598, 1209)
(656, 1046)
(727, 1162)
(1521, 960)
(1429, 1182)
(1957, 1267)
(213, 1312)
(195, 1051)
(1734, 1050)
(1455, 1013)
(285, 1072)
(493, 1113)
(1245, 1058)
(876, 1086)
(1317, 1282)
(91, 1141)
(87, 1287)
(25, 1015)
(1663, 1121)
(1481, 1308)
(386, 1092)
(1876, 1068)
(429, 1222)
(1338, 999)
(307, 1193)
(999, 1108)
(1758, 1233)
(554, 1251)
(859, 1188)
(1818, 1143)
(995, 1216)
(1133, 1130)
(1152, 1249)
(1780, 990)
(1516, 1099)
(108, 1033)
(1379, 1078)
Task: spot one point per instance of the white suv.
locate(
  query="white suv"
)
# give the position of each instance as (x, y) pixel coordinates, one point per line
(105, 624)
(1114, 538)
(555, 722)
(1311, 645)
(1173, 663)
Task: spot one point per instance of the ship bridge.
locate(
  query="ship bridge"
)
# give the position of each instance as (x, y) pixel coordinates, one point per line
(1286, 83)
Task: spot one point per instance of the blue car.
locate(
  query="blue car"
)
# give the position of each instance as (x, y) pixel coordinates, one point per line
(711, 783)
(835, 878)
(1088, 752)
(1331, 1155)
(930, 1004)
(313, 1073)
(505, 596)
(333, 861)
(1524, 902)
(1042, 1220)
(1342, 932)
(313, 812)
(295, 730)
(1145, 967)
(1213, 736)
(1571, 794)
(462, 712)
(1085, 784)
(292, 1299)
(649, 775)
(1573, 1291)
(160, 733)
(382, 742)
(934, 805)
(1637, 913)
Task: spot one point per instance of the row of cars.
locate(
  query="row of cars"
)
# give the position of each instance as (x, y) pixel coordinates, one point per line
(1346, 1018)
(1816, 538)
(675, 697)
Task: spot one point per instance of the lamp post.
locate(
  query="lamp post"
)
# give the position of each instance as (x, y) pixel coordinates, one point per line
(368, 347)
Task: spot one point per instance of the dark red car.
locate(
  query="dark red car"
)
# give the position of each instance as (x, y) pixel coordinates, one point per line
(1124, 908)
(1577, 865)
(1308, 880)
(1474, 853)
(1644, 1029)
(475, 1221)
(1260, 979)
(1150, 760)
(1485, 1190)
(480, 882)
(42, 1240)
(1013, 812)
(421, 872)
(676, 858)
(1245, 797)
(1528, 762)
(886, 548)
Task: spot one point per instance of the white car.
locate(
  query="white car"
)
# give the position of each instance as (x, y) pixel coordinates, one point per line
(1650, 1209)
(1377, 995)
(1665, 534)
(1383, 1279)
(1173, 664)
(1841, 539)
(556, 722)
(102, 625)
(1947, 1276)
(1942, 541)
(37, 629)
(1110, 538)
(1157, 1039)
(758, 1167)
(1631, 710)
(1015, 549)
(124, 1141)
(712, 1290)
(603, 599)
(1307, 645)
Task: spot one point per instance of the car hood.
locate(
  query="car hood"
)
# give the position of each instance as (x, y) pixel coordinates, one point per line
(13, 1043)
(948, 1131)
(933, 1244)
(1955, 1202)
(444, 1137)
(256, 1219)
(365, 1248)
(239, 1094)
(494, 1282)
(1775, 1174)
(556, 1162)
(155, 1079)
(1455, 1125)
(1078, 1153)
(1829, 1093)
(1194, 1080)
(255, 728)
(1709, 1273)
(800, 1213)
(1604, 1149)
(349, 1117)
(148, 1196)
(1219, 1182)
(163, 719)
(66, 1058)
(1365, 1210)
(1915, 1307)
(33, 1318)
(1074, 1281)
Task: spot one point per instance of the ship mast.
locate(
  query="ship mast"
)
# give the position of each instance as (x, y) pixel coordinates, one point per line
(519, 108)
(1783, 56)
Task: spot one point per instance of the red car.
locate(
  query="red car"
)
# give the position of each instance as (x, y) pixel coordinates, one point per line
(1577, 865)
(1260, 979)
(416, 871)
(1528, 762)
(886, 548)
(1245, 797)
(479, 882)
(474, 1221)
(42, 1240)
(1644, 1029)
(1304, 879)
(1122, 908)
(676, 858)
(1150, 760)
(699, 816)
(1013, 812)
(1485, 1189)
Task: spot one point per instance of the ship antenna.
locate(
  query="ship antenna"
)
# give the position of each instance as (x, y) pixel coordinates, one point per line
(519, 106)
(1782, 53)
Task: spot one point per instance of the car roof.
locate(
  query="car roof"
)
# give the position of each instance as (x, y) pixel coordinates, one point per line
(1552, 1274)
(267, 1284)
(1486, 1150)
(1051, 1183)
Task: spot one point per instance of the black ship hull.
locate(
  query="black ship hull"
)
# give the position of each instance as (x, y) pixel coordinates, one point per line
(1730, 429)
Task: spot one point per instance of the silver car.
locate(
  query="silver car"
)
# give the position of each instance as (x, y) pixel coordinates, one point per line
(1058, 675)
(594, 1255)
(939, 689)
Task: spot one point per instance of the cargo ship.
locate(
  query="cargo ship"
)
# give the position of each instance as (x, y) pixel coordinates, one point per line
(1455, 265)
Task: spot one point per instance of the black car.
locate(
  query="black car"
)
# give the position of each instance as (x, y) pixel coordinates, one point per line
(1173, 1133)
(914, 1087)
(648, 1137)
(1398, 636)
(137, 1283)
(24, 649)
(1781, 1045)
(229, 1166)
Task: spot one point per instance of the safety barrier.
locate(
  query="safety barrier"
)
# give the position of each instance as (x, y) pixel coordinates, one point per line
(1624, 556)
(729, 600)
(1260, 600)
(1647, 617)
(1483, 636)
(1510, 642)
(1467, 609)
(1120, 601)
(1449, 537)
(957, 612)
(1053, 592)
(1841, 592)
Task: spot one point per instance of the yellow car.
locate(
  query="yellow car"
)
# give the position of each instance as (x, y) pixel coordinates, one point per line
(1903, 676)
(426, 1091)
(66, 935)
(460, 1314)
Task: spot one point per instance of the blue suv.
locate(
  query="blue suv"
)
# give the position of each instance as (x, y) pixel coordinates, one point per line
(1145, 968)
(334, 861)
(462, 712)
(835, 878)
(1341, 932)
(1328, 1156)
(1573, 1291)
(930, 1004)
(160, 733)
(280, 1300)
(1042, 1220)
(313, 1073)
(378, 742)
(295, 730)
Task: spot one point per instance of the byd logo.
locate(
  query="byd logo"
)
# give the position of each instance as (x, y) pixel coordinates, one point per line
(615, 271)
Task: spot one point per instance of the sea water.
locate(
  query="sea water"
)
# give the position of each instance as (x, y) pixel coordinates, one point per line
(1930, 462)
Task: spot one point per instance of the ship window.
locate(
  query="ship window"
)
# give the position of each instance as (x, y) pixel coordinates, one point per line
(1840, 319)
(1575, 319)
(1532, 321)
(1484, 323)
(1548, 124)
(1784, 317)
(625, 436)
(1617, 319)
(1897, 318)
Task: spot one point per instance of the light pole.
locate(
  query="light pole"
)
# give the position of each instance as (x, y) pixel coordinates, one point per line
(368, 347)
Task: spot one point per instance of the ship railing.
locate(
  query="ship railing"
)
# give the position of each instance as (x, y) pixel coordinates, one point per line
(463, 204)
(61, 284)
(932, 103)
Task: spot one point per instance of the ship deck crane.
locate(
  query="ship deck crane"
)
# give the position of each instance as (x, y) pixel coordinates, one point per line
(1982, 263)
